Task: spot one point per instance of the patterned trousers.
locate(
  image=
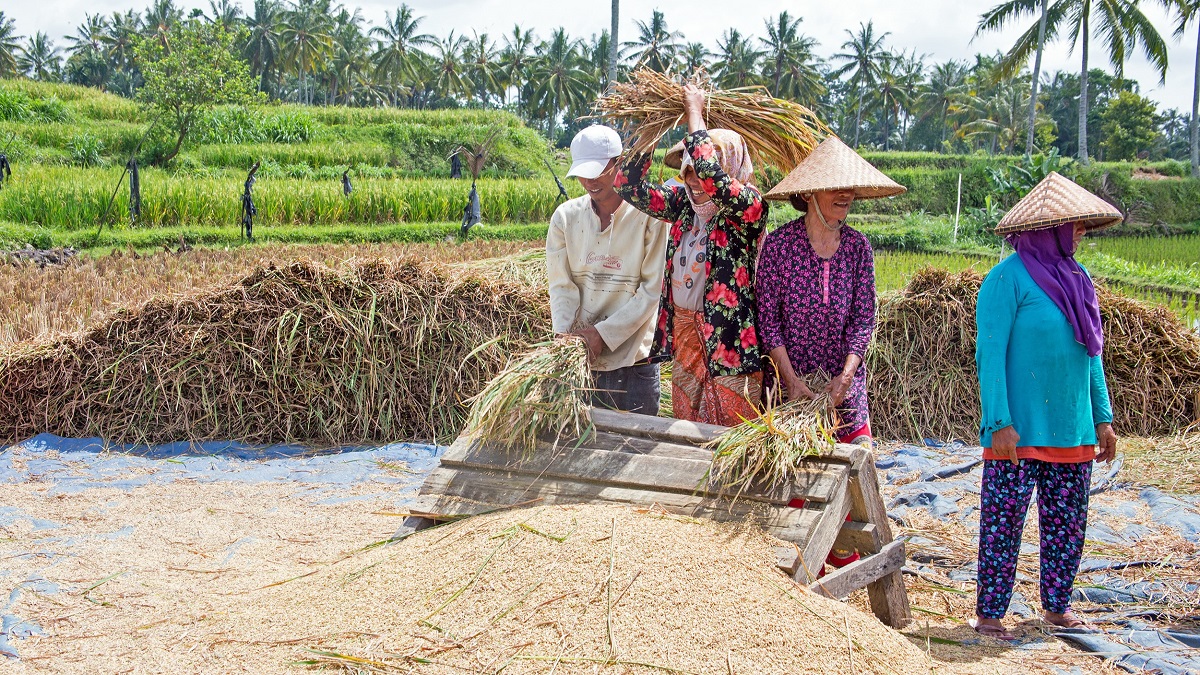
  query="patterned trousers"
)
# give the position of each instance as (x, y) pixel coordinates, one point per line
(1062, 491)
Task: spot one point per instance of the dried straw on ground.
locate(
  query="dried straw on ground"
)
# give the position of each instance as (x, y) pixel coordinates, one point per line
(779, 132)
(766, 451)
(542, 393)
(374, 352)
(572, 589)
(922, 362)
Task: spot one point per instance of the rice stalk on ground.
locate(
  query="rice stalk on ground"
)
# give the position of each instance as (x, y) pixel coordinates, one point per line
(541, 394)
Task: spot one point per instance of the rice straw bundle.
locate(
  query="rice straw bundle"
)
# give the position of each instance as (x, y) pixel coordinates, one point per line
(765, 452)
(541, 393)
(779, 132)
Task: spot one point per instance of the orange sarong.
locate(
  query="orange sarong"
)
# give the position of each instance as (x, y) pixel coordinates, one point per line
(696, 394)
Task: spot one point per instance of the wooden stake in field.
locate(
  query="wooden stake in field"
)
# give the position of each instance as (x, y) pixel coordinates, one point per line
(779, 132)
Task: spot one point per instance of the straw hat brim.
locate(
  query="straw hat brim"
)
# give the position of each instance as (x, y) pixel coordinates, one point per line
(674, 158)
(834, 166)
(1055, 201)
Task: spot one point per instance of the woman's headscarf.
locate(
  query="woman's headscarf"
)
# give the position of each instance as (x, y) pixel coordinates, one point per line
(1049, 257)
(732, 153)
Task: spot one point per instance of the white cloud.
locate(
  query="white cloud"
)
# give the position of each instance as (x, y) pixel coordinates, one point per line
(941, 29)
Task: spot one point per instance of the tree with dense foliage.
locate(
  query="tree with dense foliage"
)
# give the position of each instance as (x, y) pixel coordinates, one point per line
(656, 47)
(1129, 127)
(1187, 13)
(39, 59)
(188, 70)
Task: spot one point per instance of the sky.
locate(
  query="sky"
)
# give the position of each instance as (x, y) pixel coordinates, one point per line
(940, 29)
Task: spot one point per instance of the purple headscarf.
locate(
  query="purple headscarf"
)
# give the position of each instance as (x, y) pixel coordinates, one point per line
(1049, 257)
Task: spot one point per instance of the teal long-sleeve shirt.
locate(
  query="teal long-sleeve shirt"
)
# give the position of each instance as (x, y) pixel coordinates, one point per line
(1033, 375)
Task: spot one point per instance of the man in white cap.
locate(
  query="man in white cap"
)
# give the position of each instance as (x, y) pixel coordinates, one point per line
(605, 261)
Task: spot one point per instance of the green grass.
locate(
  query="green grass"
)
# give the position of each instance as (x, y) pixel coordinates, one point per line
(1183, 251)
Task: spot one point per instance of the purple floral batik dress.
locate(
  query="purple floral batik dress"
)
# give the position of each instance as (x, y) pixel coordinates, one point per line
(820, 310)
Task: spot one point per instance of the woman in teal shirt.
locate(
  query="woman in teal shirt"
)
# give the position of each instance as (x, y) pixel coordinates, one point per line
(1046, 410)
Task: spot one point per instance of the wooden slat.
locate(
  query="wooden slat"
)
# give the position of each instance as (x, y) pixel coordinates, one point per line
(684, 432)
(862, 572)
(889, 598)
(485, 490)
(787, 559)
(817, 543)
(856, 536)
(649, 465)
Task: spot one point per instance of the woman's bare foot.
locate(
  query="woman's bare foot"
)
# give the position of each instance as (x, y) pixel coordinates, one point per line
(1067, 619)
(991, 628)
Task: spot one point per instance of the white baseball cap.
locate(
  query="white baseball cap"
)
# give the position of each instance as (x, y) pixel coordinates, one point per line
(591, 149)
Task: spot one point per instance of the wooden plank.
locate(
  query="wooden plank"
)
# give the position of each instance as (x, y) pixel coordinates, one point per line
(787, 559)
(817, 543)
(888, 596)
(685, 432)
(462, 491)
(649, 465)
(864, 571)
(855, 536)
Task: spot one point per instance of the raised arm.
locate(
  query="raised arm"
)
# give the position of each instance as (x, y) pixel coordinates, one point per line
(745, 202)
(658, 201)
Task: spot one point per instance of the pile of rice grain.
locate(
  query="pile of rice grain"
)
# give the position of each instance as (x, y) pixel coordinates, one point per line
(373, 352)
(569, 589)
(923, 380)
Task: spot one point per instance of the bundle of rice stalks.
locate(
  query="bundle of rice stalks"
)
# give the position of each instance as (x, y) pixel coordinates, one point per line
(779, 132)
(541, 394)
(765, 452)
(375, 352)
(527, 269)
(923, 380)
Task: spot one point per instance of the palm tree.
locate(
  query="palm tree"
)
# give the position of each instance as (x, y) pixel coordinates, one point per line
(8, 46)
(737, 62)
(120, 37)
(613, 43)
(349, 59)
(225, 13)
(160, 17)
(656, 47)
(990, 21)
(558, 78)
(89, 36)
(305, 40)
(1121, 23)
(782, 36)
(262, 41)
(483, 67)
(695, 57)
(946, 84)
(1189, 10)
(39, 58)
(599, 48)
(449, 74)
(515, 58)
(399, 57)
(864, 55)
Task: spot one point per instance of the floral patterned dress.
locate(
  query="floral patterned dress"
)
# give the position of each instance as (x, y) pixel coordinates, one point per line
(820, 310)
(726, 325)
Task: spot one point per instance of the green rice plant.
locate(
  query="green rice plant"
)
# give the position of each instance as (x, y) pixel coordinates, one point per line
(765, 453)
(71, 198)
(86, 150)
(542, 393)
(1184, 250)
(894, 269)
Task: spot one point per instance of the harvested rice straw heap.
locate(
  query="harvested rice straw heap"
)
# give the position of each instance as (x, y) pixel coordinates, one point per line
(923, 380)
(766, 452)
(541, 394)
(303, 353)
(779, 132)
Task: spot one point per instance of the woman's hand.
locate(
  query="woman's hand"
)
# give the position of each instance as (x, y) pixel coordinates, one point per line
(1106, 442)
(1004, 443)
(797, 390)
(839, 387)
(693, 106)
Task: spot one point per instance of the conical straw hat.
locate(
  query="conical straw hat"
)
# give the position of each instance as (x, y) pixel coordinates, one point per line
(1057, 200)
(833, 165)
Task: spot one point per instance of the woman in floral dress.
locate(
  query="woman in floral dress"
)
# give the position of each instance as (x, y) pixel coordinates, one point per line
(816, 284)
(707, 310)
